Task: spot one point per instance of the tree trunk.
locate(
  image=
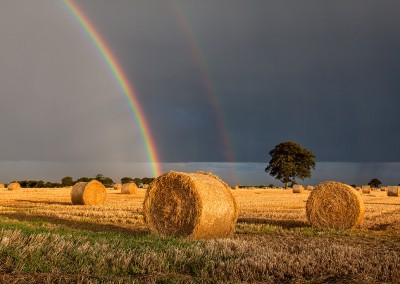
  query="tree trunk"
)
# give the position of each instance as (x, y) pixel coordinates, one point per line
(286, 183)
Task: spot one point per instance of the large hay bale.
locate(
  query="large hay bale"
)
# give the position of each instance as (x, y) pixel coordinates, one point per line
(193, 205)
(88, 193)
(393, 190)
(14, 186)
(366, 189)
(297, 188)
(117, 186)
(309, 188)
(334, 205)
(1, 185)
(129, 188)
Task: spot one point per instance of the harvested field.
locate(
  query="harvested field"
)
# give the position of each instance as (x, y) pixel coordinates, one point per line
(45, 238)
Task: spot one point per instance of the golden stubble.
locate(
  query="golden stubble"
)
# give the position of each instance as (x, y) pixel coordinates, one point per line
(265, 206)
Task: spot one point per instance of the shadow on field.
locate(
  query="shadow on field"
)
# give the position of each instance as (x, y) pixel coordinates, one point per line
(87, 226)
(46, 202)
(377, 203)
(286, 224)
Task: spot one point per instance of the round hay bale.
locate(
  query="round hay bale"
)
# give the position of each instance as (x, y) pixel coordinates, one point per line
(297, 188)
(117, 186)
(145, 186)
(236, 187)
(393, 190)
(1, 185)
(334, 205)
(309, 188)
(129, 188)
(366, 189)
(14, 186)
(192, 205)
(383, 188)
(88, 193)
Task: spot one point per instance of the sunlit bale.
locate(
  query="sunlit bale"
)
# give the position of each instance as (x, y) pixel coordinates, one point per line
(14, 186)
(366, 189)
(335, 205)
(88, 193)
(309, 188)
(358, 188)
(393, 190)
(129, 188)
(383, 188)
(192, 205)
(117, 186)
(1, 185)
(236, 187)
(297, 188)
(145, 186)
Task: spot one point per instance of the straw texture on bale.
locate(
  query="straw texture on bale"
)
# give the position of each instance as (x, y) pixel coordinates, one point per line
(366, 189)
(297, 188)
(129, 188)
(309, 188)
(335, 205)
(88, 193)
(14, 186)
(117, 186)
(192, 205)
(1, 185)
(393, 190)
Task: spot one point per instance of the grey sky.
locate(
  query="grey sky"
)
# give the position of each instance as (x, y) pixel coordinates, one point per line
(324, 74)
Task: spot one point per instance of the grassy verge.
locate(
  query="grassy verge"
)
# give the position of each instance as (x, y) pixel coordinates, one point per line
(32, 252)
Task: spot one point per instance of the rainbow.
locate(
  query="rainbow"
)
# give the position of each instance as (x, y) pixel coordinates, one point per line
(123, 82)
(209, 85)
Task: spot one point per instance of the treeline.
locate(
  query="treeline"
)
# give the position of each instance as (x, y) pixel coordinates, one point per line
(69, 181)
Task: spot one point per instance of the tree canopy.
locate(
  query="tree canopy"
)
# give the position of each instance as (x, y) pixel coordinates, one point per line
(289, 161)
(375, 182)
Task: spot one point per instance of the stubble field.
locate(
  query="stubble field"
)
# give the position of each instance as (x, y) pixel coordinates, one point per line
(45, 239)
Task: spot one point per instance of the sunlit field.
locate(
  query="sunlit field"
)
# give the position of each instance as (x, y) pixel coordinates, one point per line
(45, 239)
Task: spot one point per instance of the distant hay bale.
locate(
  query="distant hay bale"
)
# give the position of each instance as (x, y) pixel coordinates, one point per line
(393, 190)
(88, 193)
(309, 188)
(297, 188)
(366, 189)
(193, 205)
(1, 185)
(129, 188)
(145, 186)
(383, 188)
(236, 187)
(334, 205)
(14, 186)
(117, 186)
(358, 188)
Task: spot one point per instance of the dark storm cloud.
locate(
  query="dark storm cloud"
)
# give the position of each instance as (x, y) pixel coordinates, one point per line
(324, 74)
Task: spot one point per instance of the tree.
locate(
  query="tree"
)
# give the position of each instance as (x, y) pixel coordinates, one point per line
(290, 161)
(67, 181)
(126, 180)
(375, 182)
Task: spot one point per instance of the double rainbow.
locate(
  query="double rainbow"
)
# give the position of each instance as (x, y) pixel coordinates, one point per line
(123, 82)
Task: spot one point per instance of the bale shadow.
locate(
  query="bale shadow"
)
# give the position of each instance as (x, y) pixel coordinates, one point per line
(76, 225)
(46, 202)
(380, 203)
(286, 224)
